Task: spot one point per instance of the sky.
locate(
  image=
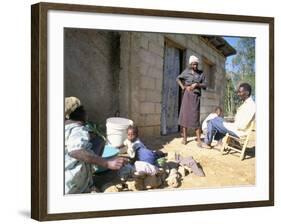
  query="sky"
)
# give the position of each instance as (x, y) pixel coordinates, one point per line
(233, 42)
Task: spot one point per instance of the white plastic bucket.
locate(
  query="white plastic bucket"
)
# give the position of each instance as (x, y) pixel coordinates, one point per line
(116, 130)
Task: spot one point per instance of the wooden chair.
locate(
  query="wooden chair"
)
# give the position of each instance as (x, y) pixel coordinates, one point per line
(240, 144)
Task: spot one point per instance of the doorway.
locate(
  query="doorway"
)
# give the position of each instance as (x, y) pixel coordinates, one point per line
(171, 97)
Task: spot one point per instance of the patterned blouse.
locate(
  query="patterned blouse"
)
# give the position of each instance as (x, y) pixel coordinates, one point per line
(78, 174)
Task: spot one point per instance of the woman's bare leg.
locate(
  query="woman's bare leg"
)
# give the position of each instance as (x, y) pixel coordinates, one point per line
(184, 138)
(199, 142)
(198, 135)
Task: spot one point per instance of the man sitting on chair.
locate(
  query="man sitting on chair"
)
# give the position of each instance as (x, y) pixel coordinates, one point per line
(244, 116)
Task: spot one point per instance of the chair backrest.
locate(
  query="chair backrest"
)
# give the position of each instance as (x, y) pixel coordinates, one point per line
(251, 125)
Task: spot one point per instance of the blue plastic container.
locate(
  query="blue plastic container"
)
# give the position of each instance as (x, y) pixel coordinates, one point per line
(109, 152)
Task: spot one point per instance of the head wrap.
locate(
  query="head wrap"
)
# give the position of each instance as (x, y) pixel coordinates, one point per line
(71, 104)
(193, 59)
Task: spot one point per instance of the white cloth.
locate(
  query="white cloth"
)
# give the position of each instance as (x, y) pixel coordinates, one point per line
(145, 168)
(192, 59)
(207, 119)
(245, 114)
(78, 175)
(131, 146)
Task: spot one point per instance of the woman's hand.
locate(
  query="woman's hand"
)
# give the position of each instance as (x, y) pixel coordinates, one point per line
(194, 85)
(188, 88)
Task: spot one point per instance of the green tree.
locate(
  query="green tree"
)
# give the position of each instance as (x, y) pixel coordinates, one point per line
(231, 99)
(243, 63)
(241, 69)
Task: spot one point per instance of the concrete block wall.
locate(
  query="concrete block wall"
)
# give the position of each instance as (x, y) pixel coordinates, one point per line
(141, 76)
(125, 70)
(145, 55)
(211, 97)
(195, 45)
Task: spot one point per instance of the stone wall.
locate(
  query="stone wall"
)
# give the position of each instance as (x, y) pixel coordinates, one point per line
(91, 70)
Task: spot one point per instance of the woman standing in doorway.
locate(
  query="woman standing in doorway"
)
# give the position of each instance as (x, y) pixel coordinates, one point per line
(191, 81)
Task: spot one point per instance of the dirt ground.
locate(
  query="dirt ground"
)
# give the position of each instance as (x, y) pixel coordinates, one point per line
(220, 170)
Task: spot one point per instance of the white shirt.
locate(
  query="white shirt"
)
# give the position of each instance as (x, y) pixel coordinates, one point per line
(131, 146)
(243, 117)
(207, 119)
